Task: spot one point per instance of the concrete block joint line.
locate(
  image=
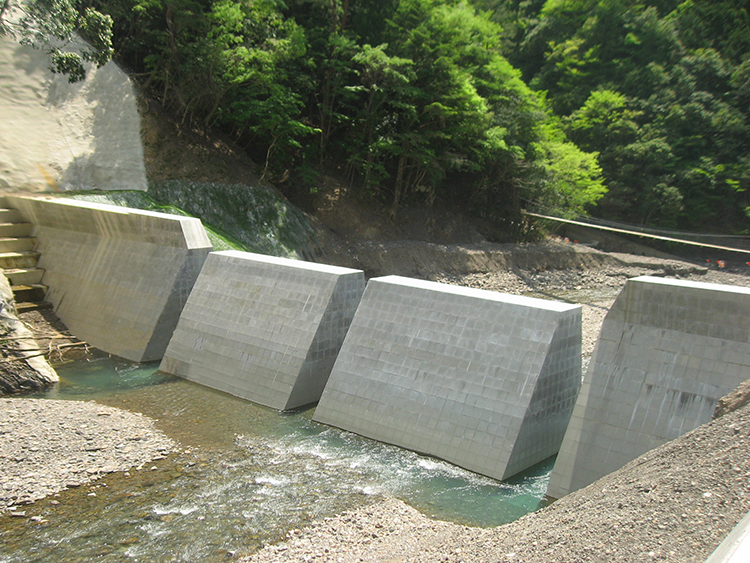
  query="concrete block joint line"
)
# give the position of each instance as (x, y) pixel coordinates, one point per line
(481, 379)
(667, 352)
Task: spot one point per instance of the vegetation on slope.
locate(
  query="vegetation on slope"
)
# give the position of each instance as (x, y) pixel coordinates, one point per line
(236, 217)
(633, 110)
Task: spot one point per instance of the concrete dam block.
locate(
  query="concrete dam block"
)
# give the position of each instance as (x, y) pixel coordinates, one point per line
(118, 277)
(481, 379)
(263, 328)
(667, 352)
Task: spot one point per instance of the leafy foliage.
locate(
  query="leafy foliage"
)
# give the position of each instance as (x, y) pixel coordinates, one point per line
(659, 90)
(636, 110)
(51, 25)
(414, 97)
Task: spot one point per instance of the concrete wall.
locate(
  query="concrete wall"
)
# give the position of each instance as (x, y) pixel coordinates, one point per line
(56, 135)
(667, 352)
(118, 278)
(263, 328)
(481, 379)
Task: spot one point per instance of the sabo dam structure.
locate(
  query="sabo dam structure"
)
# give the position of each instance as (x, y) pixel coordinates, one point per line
(485, 380)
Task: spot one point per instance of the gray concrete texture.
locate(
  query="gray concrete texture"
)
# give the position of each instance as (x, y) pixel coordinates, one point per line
(481, 379)
(118, 277)
(667, 352)
(263, 328)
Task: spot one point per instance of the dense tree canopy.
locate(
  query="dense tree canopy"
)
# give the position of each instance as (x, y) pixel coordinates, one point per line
(634, 110)
(660, 90)
(50, 25)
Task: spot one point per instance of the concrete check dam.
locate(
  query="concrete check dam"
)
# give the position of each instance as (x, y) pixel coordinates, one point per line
(484, 380)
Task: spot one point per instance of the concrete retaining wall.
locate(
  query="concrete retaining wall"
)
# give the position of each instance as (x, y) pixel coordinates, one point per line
(667, 352)
(263, 328)
(481, 379)
(57, 135)
(118, 278)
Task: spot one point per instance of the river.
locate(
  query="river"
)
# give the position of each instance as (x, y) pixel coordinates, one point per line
(245, 475)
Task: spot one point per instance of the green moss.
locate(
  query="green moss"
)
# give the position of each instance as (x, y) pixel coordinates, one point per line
(235, 216)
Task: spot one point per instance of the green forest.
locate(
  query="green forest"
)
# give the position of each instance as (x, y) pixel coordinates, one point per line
(626, 110)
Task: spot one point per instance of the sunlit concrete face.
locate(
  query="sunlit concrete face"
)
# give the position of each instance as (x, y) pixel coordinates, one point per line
(481, 379)
(667, 352)
(263, 328)
(118, 278)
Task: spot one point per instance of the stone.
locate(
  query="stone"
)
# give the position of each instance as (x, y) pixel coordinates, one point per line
(62, 136)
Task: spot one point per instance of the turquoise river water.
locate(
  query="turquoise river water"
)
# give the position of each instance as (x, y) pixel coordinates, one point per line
(245, 475)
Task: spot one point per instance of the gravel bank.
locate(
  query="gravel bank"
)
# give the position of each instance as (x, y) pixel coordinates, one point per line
(675, 503)
(47, 446)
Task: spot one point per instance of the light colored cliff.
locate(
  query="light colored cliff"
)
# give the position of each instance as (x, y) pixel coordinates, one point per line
(60, 136)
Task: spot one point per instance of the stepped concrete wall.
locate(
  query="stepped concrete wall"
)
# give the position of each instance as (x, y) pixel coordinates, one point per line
(667, 352)
(118, 277)
(481, 379)
(263, 328)
(57, 135)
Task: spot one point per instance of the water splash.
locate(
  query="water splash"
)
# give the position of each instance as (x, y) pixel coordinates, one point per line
(247, 476)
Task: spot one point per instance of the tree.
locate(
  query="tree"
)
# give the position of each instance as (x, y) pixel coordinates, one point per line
(51, 26)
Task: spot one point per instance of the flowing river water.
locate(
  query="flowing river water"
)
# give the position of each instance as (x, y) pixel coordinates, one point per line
(245, 475)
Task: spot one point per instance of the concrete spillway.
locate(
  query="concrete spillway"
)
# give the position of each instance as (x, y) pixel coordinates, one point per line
(481, 379)
(118, 278)
(263, 328)
(667, 352)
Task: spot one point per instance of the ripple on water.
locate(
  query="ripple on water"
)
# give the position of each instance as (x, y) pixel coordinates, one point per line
(248, 475)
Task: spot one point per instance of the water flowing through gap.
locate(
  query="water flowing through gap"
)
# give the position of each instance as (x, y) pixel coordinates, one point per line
(246, 475)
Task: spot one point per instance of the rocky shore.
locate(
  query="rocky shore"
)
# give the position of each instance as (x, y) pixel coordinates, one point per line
(47, 446)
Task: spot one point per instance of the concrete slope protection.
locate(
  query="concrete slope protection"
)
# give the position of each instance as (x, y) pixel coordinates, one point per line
(118, 278)
(481, 379)
(263, 328)
(667, 352)
(60, 136)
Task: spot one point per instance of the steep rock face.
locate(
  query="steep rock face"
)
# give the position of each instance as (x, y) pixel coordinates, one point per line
(60, 136)
(16, 342)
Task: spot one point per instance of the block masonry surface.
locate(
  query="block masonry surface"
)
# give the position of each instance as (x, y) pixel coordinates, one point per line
(263, 328)
(118, 278)
(481, 379)
(667, 352)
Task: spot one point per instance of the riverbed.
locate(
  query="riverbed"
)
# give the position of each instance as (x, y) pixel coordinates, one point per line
(244, 477)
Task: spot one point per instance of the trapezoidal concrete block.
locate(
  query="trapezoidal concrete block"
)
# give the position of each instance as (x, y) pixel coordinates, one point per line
(481, 379)
(263, 328)
(118, 277)
(667, 352)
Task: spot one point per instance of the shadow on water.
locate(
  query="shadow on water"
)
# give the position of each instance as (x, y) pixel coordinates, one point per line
(245, 476)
